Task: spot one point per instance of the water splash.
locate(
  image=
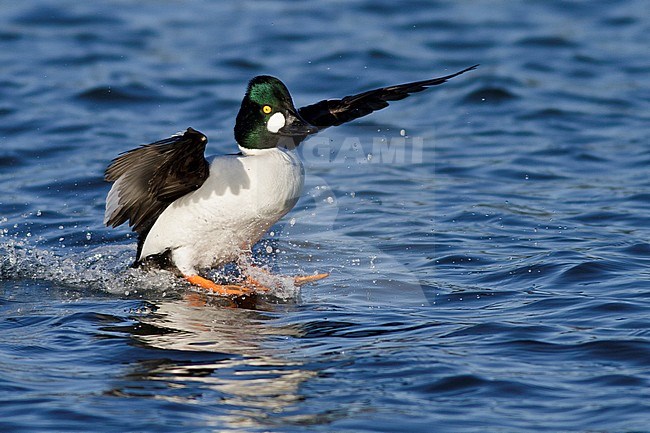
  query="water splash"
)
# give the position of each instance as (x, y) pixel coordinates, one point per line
(106, 268)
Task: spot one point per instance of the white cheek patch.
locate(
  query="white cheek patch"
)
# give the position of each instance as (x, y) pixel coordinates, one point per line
(276, 122)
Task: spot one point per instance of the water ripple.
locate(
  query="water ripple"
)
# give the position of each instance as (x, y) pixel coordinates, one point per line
(493, 279)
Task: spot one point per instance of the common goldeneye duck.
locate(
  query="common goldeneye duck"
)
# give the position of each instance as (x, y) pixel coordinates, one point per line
(192, 214)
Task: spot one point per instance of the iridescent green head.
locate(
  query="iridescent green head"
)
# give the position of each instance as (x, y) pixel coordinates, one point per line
(267, 115)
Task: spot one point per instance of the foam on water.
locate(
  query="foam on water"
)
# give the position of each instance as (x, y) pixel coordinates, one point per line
(104, 268)
(107, 269)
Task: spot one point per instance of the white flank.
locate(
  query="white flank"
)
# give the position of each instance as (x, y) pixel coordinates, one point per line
(276, 122)
(241, 199)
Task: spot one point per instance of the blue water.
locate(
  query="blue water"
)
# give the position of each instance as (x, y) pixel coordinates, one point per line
(488, 240)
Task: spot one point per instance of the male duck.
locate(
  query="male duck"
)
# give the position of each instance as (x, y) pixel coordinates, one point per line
(192, 214)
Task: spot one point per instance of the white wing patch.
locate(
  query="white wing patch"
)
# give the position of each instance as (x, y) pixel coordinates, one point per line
(113, 199)
(276, 122)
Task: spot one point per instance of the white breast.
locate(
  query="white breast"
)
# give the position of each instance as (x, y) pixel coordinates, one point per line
(241, 199)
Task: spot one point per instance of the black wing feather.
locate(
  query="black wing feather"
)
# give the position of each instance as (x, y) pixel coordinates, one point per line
(334, 112)
(152, 176)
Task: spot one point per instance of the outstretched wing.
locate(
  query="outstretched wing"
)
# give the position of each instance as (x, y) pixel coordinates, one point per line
(149, 178)
(334, 112)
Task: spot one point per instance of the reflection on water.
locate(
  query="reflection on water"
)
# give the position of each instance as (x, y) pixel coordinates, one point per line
(195, 350)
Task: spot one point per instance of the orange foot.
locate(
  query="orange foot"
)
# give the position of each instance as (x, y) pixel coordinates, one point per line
(304, 279)
(298, 280)
(250, 285)
(219, 289)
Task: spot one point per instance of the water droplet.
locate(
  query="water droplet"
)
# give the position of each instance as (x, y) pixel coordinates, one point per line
(330, 200)
(269, 249)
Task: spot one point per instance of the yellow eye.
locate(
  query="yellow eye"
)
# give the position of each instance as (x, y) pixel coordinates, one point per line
(267, 109)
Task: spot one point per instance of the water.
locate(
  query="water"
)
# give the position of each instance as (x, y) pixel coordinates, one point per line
(488, 273)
